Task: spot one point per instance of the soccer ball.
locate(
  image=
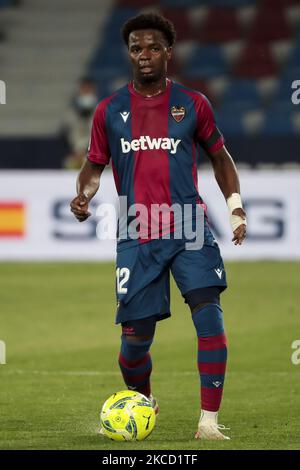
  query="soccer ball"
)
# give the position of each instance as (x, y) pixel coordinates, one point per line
(127, 416)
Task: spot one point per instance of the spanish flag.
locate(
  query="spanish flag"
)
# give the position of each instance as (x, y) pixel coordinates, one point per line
(12, 219)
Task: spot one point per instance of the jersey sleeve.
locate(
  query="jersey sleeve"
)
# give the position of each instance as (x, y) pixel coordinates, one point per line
(98, 151)
(208, 134)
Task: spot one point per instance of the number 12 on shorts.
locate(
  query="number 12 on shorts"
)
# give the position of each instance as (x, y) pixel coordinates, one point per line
(122, 278)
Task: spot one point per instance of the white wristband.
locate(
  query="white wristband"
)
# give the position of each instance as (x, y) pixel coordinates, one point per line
(235, 202)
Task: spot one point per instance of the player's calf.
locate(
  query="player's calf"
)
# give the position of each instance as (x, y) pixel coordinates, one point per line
(135, 359)
(212, 356)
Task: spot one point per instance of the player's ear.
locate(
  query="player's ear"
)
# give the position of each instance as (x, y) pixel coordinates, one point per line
(169, 53)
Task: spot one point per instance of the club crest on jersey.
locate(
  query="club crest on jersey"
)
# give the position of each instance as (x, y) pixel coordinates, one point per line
(178, 113)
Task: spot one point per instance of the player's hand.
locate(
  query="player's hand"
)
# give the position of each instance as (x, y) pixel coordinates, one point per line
(79, 206)
(240, 232)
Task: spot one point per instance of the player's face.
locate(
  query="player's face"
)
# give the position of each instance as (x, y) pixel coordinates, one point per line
(149, 54)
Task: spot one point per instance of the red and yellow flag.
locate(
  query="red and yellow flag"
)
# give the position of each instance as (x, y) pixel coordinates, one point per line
(12, 219)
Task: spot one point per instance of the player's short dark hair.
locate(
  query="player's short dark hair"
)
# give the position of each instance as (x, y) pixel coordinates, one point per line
(150, 21)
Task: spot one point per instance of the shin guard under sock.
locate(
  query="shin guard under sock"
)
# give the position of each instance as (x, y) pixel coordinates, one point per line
(136, 365)
(212, 354)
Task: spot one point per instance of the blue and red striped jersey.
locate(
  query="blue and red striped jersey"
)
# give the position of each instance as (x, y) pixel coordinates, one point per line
(152, 144)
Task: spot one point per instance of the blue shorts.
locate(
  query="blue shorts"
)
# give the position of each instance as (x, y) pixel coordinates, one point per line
(143, 275)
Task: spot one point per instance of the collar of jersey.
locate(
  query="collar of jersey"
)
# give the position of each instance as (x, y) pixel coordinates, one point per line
(155, 97)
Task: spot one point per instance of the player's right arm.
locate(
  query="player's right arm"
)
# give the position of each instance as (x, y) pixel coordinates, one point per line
(87, 185)
(98, 156)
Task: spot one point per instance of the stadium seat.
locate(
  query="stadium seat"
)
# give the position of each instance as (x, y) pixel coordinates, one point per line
(253, 121)
(105, 75)
(230, 124)
(279, 124)
(255, 61)
(220, 25)
(282, 103)
(270, 24)
(205, 62)
(116, 58)
(241, 95)
(201, 86)
(181, 21)
(293, 65)
(283, 95)
(115, 23)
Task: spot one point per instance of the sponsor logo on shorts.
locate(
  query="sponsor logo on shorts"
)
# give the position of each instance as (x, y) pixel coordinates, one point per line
(128, 330)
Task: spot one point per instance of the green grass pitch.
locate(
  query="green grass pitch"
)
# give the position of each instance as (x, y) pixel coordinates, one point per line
(58, 324)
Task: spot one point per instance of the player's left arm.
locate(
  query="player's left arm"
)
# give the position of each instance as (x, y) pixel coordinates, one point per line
(226, 174)
(227, 177)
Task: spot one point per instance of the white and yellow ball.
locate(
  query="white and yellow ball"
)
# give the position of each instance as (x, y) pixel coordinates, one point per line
(127, 416)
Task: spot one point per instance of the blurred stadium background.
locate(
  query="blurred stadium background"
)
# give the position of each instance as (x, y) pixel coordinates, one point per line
(244, 55)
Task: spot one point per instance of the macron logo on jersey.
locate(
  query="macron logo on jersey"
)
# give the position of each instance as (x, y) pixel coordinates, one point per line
(146, 143)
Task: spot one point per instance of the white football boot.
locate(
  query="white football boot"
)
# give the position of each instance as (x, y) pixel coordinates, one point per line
(154, 404)
(208, 427)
